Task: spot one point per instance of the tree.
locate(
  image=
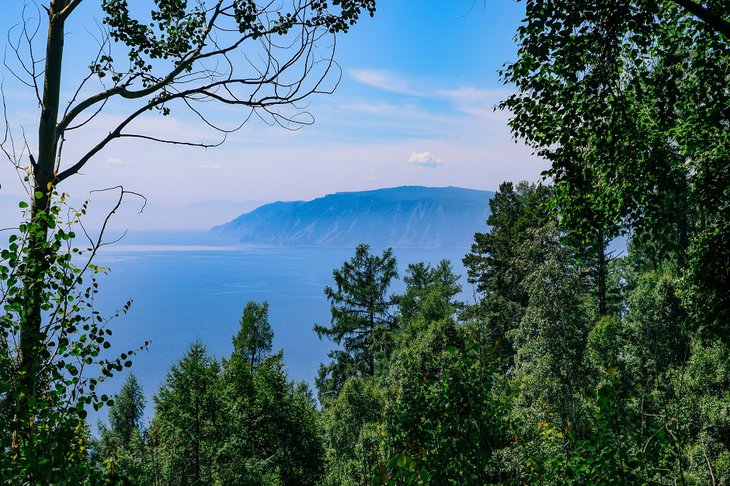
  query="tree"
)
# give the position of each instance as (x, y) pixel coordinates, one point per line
(551, 338)
(42, 426)
(270, 432)
(445, 414)
(362, 321)
(188, 413)
(125, 414)
(186, 56)
(254, 338)
(122, 443)
(492, 264)
(358, 406)
(430, 291)
(628, 101)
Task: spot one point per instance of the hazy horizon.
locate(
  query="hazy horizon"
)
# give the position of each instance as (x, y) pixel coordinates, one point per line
(411, 108)
(137, 215)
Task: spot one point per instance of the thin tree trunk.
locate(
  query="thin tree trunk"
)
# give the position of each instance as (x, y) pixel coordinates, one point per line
(31, 339)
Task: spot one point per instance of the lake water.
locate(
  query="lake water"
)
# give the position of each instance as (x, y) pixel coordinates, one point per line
(191, 285)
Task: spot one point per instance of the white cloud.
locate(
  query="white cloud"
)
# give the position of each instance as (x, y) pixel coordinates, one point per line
(211, 167)
(384, 80)
(425, 159)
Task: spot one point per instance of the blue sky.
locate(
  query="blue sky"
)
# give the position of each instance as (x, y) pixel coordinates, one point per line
(414, 106)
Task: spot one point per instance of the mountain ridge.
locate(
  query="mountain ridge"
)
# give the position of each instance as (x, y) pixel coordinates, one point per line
(404, 217)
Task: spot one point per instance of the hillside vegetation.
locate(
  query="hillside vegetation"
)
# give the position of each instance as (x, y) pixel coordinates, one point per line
(566, 370)
(401, 217)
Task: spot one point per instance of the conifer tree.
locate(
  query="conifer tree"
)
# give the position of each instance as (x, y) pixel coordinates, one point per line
(271, 432)
(188, 418)
(121, 445)
(492, 263)
(125, 414)
(362, 318)
(159, 56)
(430, 291)
(254, 338)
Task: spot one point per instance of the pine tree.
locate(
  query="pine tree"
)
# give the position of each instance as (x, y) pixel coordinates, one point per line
(121, 445)
(271, 432)
(491, 264)
(125, 414)
(361, 317)
(254, 338)
(188, 418)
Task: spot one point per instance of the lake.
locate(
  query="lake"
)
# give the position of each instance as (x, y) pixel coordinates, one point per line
(188, 285)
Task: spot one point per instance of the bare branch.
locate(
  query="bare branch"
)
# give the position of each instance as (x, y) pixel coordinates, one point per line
(272, 84)
(125, 93)
(104, 47)
(25, 36)
(173, 142)
(103, 143)
(122, 192)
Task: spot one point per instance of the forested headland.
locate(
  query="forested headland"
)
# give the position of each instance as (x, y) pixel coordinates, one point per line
(556, 375)
(572, 364)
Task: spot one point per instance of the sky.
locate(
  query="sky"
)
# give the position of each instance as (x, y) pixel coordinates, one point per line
(414, 106)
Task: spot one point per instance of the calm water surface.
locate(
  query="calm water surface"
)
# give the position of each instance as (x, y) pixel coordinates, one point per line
(190, 285)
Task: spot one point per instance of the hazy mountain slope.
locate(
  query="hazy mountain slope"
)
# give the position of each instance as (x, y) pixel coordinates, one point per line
(409, 216)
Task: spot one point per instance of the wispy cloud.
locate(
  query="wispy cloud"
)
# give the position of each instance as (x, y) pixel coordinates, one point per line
(384, 80)
(210, 167)
(466, 99)
(425, 159)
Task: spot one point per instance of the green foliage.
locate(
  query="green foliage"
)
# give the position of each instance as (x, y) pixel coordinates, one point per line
(271, 426)
(493, 262)
(628, 101)
(188, 419)
(635, 396)
(254, 338)
(348, 421)
(121, 446)
(45, 390)
(362, 322)
(707, 283)
(551, 337)
(631, 393)
(445, 414)
(657, 323)
(430, 292)
(125, 414)
(705, 411)
(240, 423)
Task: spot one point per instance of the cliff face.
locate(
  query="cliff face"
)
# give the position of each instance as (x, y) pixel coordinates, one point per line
(409, 216)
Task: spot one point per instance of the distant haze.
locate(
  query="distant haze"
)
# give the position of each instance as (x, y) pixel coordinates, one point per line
(134, 214)
(404, 217)
(412, 107)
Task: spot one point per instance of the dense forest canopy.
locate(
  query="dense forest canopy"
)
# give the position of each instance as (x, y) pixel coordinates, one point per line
(574, 365)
